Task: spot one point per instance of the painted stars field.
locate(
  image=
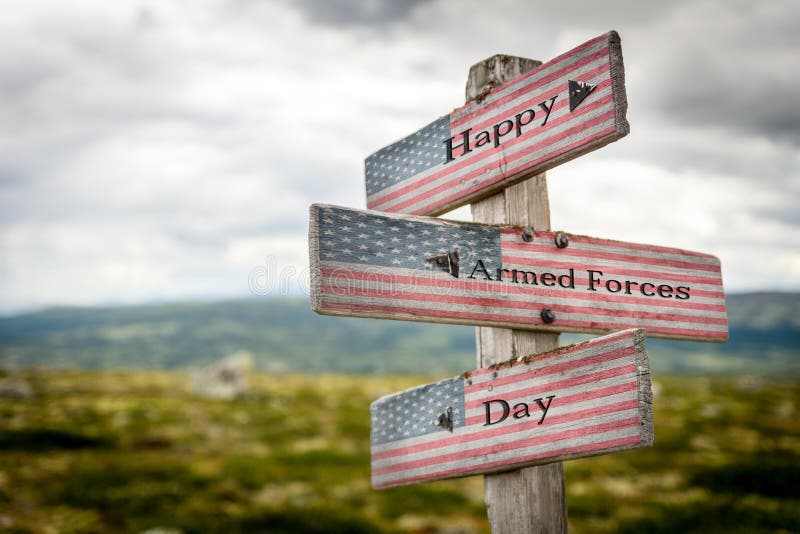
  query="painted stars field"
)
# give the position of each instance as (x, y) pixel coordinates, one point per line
(130, 451)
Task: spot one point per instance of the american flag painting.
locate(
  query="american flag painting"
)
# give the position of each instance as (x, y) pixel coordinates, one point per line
(577, 401)
(566, 107)
(379, 265)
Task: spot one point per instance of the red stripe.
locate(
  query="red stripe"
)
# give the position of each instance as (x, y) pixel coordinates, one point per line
(515, 305)
(463, 471)
(542, 96)
(510, 429)
(555, 368)
(593, 344)
(592, 326)
(503, 288)
(502, 447)
(502, 152)
(524, 166)
(453, 167)
(569, 251)
(490, 104)
(510, 231)
(678, 277)
(569, 399)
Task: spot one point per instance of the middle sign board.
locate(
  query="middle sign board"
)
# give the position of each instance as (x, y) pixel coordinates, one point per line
(389, 266)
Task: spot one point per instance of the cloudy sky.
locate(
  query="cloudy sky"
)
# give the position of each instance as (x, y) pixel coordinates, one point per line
(159, 150)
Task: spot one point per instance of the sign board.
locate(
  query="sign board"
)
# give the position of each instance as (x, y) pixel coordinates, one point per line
(566, 107)
(582, 400)
(389, 266)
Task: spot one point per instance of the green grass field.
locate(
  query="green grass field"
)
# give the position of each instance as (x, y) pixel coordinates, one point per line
(128, 451)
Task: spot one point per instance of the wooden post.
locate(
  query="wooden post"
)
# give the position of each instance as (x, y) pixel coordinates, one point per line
(532, 499)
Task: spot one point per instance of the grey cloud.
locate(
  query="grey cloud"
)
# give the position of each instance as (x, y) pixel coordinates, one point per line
(358, 13)
(733, 71)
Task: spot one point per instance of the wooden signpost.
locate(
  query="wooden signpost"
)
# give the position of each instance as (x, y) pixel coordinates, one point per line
(577, 401)
(528, 405)
(566, 107)
(389, 266)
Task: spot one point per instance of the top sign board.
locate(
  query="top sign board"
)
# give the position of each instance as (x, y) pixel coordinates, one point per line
(566, 107)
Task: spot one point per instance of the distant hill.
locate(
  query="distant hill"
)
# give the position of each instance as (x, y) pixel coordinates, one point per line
(284, 335)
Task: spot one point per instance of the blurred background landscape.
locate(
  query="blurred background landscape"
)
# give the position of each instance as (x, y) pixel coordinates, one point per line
(253, 415)
(160, 369)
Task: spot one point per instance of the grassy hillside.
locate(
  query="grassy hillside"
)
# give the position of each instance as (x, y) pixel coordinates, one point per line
(128, 451)
(286, 335)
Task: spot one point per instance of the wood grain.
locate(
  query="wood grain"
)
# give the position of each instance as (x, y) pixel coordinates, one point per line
(358, 270)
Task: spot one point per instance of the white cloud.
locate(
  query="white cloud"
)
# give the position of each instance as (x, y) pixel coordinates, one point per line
(156, 150)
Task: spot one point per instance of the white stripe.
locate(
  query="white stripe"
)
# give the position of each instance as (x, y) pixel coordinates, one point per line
(427, 439)
(553, 116)
(509, 455)
(533, 78)
(526, 428)
(496, 164)
(491, 161)
(610, 321)
(343, 286)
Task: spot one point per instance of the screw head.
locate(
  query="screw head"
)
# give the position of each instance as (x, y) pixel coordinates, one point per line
(527, 234)
(548, 315)
(562, 240)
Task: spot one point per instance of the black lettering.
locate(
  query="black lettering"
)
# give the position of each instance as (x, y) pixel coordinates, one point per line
(506, 411)
(664, 288)
(628, 285)
(482, 268)
(521, 410)
(616, 283)
(497, 134)
(543, 407)
(482, 138)
(682, 293)
(518, 120)
(548, 277)
(464, 143)
(570, 277)
(547, 109)
(524, 274)
(641, 288)
(593, 280)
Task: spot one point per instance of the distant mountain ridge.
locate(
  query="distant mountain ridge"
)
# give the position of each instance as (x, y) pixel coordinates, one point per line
(285, 335)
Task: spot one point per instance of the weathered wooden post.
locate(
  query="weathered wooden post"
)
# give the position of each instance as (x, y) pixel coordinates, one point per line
(531, 499)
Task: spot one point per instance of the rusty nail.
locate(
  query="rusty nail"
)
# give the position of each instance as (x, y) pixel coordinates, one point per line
(527, 234)
(445, 420)
(548, 316)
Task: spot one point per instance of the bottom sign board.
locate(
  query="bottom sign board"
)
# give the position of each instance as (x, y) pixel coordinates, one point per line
(582, 400)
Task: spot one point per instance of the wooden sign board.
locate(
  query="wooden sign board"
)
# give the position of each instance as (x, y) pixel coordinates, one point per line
(583, 400)
(566, 107)
(388, 266)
